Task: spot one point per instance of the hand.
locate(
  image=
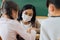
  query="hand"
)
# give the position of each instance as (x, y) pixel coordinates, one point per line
(29, 30)
(33, 29)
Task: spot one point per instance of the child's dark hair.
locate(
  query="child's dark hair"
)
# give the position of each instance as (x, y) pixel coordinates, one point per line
(8, 6)
(56, 3)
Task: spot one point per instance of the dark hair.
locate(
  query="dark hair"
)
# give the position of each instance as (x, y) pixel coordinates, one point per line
(8, 6)
(28, 6)
(55, 2)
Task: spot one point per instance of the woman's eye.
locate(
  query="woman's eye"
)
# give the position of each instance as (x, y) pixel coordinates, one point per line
(30, 14)
(26, 13)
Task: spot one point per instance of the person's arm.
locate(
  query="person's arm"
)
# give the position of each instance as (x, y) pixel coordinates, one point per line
(38, 26)
(43, 33)
(21, 31)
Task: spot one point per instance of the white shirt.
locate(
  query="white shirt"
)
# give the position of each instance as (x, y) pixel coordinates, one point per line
(50, 29)
(10, 28)
(26, 27)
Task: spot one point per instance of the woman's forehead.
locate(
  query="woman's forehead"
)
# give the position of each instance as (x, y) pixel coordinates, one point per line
(28, 11)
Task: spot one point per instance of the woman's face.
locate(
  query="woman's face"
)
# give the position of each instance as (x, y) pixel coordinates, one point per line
(27, 14)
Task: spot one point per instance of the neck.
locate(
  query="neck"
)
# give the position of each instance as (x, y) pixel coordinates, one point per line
(26, 23)
(5, 16)
(56, 13)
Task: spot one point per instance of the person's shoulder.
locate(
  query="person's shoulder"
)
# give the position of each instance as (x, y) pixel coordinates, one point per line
(14, 22)
(47, 21)
(50, 22)
(37, 23)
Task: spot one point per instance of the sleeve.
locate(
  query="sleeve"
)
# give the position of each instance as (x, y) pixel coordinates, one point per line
(43, 33)
(21, 31)
(33, 34)
(38, 27)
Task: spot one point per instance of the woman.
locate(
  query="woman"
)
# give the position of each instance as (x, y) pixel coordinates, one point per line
(27, 18)
(9, 27)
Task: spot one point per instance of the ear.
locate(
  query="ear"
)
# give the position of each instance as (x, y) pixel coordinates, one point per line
(13, 13)
(51, 8)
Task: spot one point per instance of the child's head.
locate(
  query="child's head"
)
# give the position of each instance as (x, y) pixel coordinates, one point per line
(10, 9)
(53, 7)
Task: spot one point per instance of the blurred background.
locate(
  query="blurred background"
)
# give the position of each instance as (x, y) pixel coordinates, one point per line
(40, 5)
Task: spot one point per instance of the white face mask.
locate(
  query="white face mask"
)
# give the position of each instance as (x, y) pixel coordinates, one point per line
(26, 18)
